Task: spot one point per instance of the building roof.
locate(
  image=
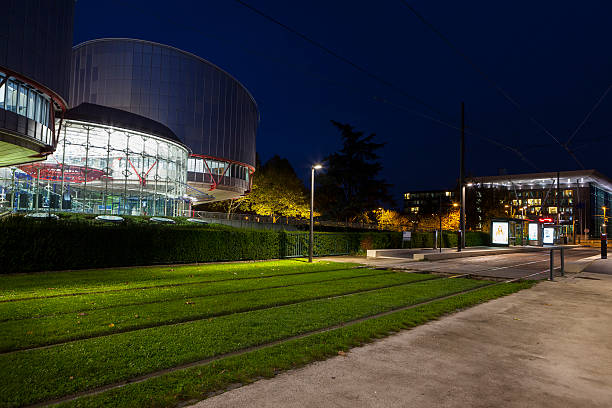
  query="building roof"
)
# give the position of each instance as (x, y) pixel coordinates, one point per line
(572, 178)
(89, 112)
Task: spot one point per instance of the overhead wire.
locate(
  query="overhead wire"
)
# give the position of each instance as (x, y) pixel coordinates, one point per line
(487, 78)
(340, 57)
(588, 115)
(379, 79)
(350, 88)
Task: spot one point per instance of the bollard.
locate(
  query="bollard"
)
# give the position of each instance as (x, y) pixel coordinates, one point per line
(552, 266)
(604, 246)
(562, 262)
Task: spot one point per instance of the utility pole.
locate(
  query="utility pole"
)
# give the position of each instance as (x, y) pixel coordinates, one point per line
(558, 202)
(440, 215)
(461, 237)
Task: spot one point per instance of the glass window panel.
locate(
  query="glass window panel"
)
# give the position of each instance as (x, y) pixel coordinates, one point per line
(23, 100)
(11, 96)
(31, 104)
(39, 100)
(2, 91)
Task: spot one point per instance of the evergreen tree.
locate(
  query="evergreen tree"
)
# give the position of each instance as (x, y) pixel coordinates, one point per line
(350, 188)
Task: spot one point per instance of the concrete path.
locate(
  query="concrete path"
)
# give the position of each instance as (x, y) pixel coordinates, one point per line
(600, 266)
(550, 346)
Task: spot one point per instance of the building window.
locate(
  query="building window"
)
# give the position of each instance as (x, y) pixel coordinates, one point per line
(407, 196)
(414, 210)
(448, 193)
(2, 91)
(31, 104)
(552, 210)
(22, 103)
(11, 96)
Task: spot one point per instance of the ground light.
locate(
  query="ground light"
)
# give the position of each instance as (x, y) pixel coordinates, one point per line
(311, 235)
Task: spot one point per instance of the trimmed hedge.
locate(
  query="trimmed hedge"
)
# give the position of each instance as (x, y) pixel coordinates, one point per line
(37, 245)
(449, 239)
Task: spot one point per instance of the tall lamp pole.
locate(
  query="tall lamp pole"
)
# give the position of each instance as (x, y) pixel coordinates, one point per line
(461, 237)
(311, 235)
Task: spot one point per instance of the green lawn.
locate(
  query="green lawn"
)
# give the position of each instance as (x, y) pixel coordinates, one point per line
(69, 332)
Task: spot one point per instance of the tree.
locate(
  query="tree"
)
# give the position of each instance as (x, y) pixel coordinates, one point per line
(482, 205)
(391, 219)
(277, 191)
(349, 187)
(450, 221)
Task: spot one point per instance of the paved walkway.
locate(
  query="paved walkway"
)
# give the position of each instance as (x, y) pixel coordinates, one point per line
(550, 346)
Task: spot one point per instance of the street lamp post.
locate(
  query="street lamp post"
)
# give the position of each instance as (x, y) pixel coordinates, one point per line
(311, 235)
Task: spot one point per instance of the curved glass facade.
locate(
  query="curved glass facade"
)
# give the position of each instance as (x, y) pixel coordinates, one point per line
(101, 170)
(28, 102)
(209, 110)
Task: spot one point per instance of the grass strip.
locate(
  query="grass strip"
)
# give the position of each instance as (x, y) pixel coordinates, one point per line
(198, 383)
(41, 374)
(29, 285)
(23, 309)
(24, 334)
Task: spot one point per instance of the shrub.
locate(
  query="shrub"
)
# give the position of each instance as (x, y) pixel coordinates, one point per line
(34, 245)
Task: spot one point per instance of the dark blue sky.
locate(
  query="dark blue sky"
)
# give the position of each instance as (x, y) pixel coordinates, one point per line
(554, 58)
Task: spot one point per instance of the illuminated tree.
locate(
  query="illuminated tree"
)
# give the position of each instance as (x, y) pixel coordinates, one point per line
(277, 191)
(391, 219)
(450, 221)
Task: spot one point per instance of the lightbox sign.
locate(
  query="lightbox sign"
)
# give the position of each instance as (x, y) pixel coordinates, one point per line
(549, 236)
(533, 231)
(499, 231)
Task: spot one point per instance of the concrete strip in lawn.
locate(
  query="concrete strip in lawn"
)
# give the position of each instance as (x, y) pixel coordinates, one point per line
(545, 347)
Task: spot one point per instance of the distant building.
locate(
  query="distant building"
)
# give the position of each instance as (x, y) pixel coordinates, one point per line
(427, 202)
(572, 199)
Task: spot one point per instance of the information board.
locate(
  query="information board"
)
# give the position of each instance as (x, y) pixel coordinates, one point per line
(407, 235)
(549, 235)
(533, 231)
(499, 232)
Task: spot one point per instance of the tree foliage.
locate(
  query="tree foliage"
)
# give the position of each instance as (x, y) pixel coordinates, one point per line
(277, 191)
(392, 220)
(450, 221)
(349, 186)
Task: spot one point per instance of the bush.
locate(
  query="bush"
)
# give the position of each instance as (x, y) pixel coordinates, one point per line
(449, 239)
(34, 245)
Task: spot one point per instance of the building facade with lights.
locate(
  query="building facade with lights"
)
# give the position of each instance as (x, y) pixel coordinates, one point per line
(135, 127)
(107, 161)
(35, 49)
(574, 200)
(427, 202)
(208, 109)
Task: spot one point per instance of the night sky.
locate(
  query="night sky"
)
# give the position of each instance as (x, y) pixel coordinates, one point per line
(553, 58)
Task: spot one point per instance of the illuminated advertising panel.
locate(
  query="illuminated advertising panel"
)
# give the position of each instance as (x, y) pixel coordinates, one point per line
(549, 235)
(499, 230)
(533, 231)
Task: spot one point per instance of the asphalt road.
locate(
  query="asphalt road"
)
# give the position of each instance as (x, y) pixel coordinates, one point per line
(533, 264)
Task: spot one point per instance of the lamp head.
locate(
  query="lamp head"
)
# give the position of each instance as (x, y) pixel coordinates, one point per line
(317, 166)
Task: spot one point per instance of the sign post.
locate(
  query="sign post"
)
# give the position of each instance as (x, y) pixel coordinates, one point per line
(406, 236)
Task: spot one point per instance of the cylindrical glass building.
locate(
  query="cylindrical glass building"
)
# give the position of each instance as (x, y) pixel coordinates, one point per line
(208, 109)
(107, 161)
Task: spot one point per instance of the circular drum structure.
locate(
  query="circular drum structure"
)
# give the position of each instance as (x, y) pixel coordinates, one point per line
(35, 48)
(208, 109)
(107, 162)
